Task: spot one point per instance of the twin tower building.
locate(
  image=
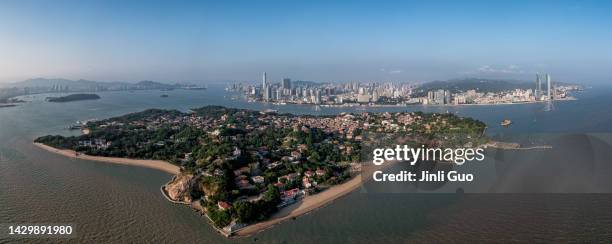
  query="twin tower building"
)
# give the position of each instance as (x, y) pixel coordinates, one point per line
(538, 91)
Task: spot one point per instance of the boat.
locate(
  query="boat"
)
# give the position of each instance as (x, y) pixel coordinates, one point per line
(267, 111)
(506, 122)
(74, 127)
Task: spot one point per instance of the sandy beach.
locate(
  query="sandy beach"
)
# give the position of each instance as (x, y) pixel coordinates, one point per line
(304, 206)
(152, 164)
(307, 204)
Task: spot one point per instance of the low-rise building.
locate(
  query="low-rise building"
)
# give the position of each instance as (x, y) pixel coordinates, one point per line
(258, 179)
(223, 205)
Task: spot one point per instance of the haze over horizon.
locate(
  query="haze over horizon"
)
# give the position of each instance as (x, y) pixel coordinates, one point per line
(314, 40)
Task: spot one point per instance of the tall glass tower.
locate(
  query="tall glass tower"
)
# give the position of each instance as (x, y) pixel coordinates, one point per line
(548, 84)
(538, 90)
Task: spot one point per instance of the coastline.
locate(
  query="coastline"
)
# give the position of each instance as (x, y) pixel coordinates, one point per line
(366, 105)
(304, 206)
(7, 105)
(152, 164)
(314, 202)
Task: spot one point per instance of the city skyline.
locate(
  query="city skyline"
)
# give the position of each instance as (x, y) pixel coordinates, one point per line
(322, 41)
(467, 91)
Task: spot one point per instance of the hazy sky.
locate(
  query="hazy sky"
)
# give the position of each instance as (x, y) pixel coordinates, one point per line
(310, 40)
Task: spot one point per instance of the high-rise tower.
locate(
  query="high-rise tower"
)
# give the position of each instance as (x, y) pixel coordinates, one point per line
(548, 87)
(267, 93)
(264, 81)
(538, 92)
(286, 83)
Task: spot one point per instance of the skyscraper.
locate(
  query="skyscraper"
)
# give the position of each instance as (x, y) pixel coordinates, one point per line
(430, 97)
(267, 92)
(548, 84)
(278, 94)
(286, 83)
(439, 96)
(447, 97)
(538, 91)
(317, 97)
(265, 81)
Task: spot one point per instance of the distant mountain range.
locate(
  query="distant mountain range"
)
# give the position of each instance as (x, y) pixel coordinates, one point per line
(307, 83)
(87, 85)
(43, 85)
(42, 82)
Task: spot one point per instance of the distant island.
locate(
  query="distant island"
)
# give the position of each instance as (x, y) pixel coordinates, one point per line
(73, 97)
(240, 167)
(44, 85)
(9, 102)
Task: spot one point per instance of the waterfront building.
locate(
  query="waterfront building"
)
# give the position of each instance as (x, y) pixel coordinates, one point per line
(438, 97)
(375, 96)
(447, 97)
(317, 97)
(548, 94)
(430, 96)
(267, 93)
(278, 93)
(363, 98)
(460, 99)
(538, 92)
(339, 99)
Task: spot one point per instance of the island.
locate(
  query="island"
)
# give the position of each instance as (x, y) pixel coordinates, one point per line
(242, 169)
(7, 102)
(73, 97)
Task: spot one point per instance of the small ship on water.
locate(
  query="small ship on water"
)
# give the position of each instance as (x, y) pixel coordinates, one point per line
(506, 123)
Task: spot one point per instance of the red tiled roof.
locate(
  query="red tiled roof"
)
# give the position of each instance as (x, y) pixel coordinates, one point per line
(223, 205)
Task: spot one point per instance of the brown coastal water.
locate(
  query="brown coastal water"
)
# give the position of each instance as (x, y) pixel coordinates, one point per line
(115, 203)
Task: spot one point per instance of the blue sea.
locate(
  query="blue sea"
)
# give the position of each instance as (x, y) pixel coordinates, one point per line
(525, 196)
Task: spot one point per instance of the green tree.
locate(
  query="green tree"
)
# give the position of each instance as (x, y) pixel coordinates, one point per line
(245, 212)
(272, 195)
